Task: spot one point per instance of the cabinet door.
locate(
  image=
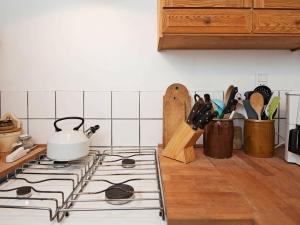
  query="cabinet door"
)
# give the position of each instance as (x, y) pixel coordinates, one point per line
(208, 3)
(284, 4)
(200, 21)
(276, 21)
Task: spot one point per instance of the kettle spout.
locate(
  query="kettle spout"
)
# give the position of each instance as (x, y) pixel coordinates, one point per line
(89, 132)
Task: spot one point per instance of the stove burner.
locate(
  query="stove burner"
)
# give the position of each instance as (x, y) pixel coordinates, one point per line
(128, 163)
(119, 194)
(61, 164)
(24, 192)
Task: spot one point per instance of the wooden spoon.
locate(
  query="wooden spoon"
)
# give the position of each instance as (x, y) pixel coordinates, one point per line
(227, 94)
(257, 103)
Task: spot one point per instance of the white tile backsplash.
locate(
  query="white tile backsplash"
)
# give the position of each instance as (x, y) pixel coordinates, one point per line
(15, 102)
(151, 104)
(151, 132)
(97, 104)
(125, 104)
(103, 136)
(69, 103)
(213, 94)
(123, 126)
(41, 130)
(125, 133)
(41, 104)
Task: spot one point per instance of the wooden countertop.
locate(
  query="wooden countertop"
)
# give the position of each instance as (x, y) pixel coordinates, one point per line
(236, 191)
(6, 168)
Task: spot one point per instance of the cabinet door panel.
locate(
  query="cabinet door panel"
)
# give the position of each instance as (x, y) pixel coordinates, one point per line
(197, 21)
(284, 4)
(208, 3)
(276, 21)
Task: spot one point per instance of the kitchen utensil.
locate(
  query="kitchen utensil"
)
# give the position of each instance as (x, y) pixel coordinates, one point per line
(219, 106)
(227, 94)
(18, 153)
(239, 97)
(204, 116)
(251, 114)
(247, 94)
(176, 107)
(272, 107)
(68, 145)
(240, 109)
(257, 103)
(207, 98)
(231, 101)
(265, 92)
(199, 103)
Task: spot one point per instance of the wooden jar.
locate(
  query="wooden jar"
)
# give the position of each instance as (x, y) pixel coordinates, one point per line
(259, 137)
(218, 138)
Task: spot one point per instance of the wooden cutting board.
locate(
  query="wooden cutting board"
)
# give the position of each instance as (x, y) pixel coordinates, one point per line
(176, 107)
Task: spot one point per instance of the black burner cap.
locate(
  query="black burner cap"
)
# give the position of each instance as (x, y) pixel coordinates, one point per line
(119, 191)
(128, 162)
(25, 190)
(60, 162)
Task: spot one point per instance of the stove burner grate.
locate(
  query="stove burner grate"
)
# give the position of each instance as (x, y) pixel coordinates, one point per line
(24, 192)
(128, 163)
(119, 194)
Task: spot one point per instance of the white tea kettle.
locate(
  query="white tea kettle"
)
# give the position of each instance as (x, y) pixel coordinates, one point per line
(68, 145)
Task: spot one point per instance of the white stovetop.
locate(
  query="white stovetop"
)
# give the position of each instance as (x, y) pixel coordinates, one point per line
(140, 217)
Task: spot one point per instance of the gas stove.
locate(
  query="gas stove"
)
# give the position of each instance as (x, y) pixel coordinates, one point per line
(114, 186)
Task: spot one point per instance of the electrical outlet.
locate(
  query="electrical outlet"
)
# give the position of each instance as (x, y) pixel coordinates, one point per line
(261, 78)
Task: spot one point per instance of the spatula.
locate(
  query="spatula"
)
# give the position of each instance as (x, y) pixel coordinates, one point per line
(240, 109)
(257, 103)
(250, 111)
(273, 107)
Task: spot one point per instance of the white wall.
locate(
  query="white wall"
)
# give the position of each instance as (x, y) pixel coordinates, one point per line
(111, 45)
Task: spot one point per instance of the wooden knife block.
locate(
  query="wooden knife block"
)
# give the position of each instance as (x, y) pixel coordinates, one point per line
(181, 145)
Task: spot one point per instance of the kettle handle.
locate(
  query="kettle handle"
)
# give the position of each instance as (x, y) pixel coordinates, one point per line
(57, 129)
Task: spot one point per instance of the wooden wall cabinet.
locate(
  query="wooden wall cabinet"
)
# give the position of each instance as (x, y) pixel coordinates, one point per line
(229, 24)
(277, 4)
(207, 3)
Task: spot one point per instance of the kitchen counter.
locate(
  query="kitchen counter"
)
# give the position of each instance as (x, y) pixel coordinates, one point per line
(6, 168)
(237, 191)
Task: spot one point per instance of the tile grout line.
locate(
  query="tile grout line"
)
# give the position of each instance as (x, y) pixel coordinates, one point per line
(139, 121)
(99, 118)
(55, 107)
(27, 111)
(83, 109)
(111, 122)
